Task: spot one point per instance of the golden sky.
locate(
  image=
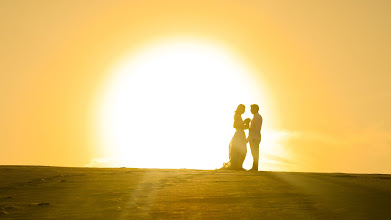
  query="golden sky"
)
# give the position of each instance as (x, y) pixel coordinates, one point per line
(324, 64)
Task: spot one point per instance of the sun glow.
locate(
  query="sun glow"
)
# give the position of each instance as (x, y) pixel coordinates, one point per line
(171, 106)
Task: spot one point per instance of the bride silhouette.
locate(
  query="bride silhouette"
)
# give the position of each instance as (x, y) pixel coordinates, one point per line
(237, 146)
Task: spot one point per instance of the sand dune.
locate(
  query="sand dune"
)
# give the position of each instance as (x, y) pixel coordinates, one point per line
(28, 192)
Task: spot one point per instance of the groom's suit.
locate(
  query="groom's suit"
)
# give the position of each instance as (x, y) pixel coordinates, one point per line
(254, 138)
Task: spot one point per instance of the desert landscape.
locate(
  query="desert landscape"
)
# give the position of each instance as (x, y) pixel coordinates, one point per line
(117, 109)
(40, 192)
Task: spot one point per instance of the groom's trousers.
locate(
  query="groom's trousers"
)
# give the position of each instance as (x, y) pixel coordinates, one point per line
(254, 145)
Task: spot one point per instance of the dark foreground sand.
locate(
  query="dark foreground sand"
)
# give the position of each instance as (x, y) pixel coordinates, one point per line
(95, 193)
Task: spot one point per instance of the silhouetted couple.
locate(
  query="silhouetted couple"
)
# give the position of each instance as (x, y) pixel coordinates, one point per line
(238, 144)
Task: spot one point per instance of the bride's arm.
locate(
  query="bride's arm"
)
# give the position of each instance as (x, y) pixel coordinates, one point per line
(239, 124)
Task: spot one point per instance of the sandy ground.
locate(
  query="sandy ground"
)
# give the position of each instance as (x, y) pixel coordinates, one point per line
(28, 192)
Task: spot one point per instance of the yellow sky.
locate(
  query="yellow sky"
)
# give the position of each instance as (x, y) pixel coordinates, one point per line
(325, 65)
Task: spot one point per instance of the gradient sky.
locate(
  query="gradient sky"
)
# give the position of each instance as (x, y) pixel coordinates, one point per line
(326, 65)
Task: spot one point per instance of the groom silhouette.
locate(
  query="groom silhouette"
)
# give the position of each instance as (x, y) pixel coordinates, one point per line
(254, 135)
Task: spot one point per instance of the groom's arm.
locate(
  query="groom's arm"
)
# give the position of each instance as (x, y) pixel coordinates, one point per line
(254, 125)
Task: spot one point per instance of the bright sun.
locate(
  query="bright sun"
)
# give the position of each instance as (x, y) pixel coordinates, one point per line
(172, 105)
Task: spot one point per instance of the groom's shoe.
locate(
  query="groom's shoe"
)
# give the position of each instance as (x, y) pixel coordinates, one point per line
(255, 167)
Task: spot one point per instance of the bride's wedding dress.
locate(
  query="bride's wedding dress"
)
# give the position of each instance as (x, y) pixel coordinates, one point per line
(237, 146)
